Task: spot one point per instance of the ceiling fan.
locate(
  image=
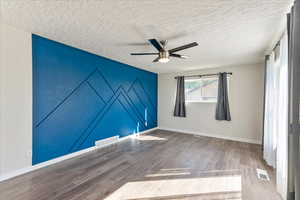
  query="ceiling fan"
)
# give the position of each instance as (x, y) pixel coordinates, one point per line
(164, 54)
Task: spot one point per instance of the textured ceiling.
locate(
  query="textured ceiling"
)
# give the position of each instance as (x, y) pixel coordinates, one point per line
(229, 32)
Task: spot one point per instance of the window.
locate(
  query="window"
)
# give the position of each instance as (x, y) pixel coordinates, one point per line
(201, 89)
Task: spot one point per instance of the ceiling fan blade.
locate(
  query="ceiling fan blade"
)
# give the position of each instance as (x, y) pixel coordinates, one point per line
(183, 47)
(140, 54)
(156, 44)
(156, 59)
(179, 56)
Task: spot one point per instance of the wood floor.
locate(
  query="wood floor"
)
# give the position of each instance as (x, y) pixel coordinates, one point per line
(160, 165)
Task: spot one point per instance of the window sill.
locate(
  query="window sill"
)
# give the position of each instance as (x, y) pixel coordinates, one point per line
(201, 102)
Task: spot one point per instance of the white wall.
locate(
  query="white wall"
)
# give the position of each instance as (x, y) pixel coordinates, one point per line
(246, 106)
(16, 99)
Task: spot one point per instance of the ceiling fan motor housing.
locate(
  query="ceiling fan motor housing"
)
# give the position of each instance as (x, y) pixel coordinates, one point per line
(164, 54)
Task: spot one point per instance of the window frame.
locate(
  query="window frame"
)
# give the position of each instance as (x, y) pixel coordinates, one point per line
(203, 78)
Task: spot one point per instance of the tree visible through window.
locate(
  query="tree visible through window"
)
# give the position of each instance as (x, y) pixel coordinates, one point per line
(201, 90)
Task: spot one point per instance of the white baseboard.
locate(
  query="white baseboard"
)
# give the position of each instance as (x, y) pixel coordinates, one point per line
(66, 157)
(107, 141)
(246, 140)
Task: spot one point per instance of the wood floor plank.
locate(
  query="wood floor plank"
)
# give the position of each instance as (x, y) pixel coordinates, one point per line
(159, 165)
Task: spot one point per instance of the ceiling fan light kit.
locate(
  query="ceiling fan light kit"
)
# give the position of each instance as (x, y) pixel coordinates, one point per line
(164, 54)
(164, 57)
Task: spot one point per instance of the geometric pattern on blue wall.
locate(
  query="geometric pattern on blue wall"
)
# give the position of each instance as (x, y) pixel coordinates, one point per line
(93, 109)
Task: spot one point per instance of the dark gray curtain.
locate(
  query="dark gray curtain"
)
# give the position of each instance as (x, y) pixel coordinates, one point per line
(179, 110)
(294, 138)
(222, 110)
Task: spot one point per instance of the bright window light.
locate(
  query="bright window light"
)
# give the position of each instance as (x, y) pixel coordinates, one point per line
(202, 90)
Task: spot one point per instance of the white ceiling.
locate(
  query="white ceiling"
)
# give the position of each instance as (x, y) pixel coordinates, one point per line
(229, 32)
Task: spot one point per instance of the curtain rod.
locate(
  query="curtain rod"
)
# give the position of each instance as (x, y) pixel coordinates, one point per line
(278, 42)
(276, 45)
(201, 75)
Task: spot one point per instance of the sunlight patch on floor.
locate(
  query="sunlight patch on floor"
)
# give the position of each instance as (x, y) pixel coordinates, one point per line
(168, 174)
(178, 187)
(174, 169)
(149, 138)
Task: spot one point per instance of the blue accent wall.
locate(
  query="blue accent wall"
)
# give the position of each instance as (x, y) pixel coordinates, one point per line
(79, 97)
